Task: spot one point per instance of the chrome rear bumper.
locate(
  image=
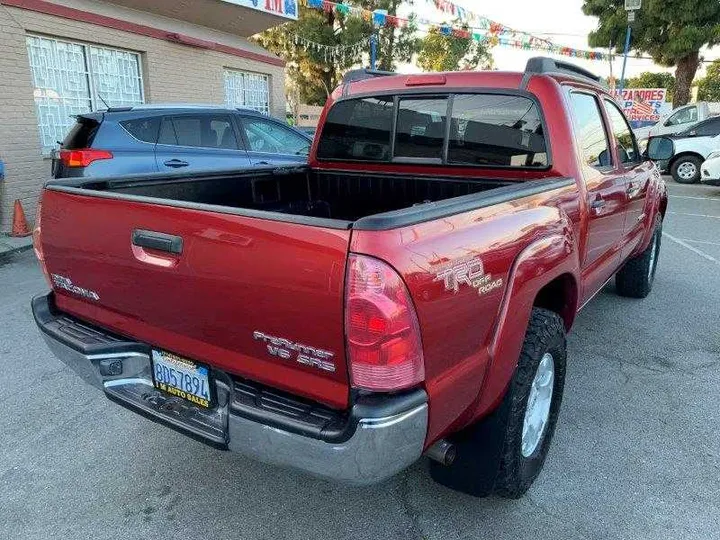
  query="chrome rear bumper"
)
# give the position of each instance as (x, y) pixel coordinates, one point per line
(378, 437)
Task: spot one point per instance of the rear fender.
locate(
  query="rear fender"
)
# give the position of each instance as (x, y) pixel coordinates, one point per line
(536, 266)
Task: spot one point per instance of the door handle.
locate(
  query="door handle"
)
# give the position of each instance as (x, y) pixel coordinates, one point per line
(632, 189)
(597, 205)
(158, 241)
(262, 163)
(175, 163)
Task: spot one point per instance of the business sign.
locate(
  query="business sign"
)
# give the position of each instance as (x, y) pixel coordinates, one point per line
(642, 104)
(283, 8)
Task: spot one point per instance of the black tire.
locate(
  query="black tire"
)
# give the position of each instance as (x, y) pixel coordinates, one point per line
(695, 161)
(635, 279)
(489, 454)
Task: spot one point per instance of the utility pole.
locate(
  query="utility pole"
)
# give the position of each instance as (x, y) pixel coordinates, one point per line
(631, 6)
(373, 51)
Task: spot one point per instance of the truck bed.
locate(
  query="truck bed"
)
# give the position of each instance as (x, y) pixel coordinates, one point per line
(180, 255)
(340, 196)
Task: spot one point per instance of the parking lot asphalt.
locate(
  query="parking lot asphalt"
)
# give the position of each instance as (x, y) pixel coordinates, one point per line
(636, 453)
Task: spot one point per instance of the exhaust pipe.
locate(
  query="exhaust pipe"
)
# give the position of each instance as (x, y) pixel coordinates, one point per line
(443, 452)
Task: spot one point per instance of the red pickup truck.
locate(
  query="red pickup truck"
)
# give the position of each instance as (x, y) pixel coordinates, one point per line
(407, 293)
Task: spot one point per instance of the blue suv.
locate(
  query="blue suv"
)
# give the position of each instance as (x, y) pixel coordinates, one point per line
(161, 138)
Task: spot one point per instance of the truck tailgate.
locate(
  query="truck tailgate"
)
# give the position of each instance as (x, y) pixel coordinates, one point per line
(238, 286)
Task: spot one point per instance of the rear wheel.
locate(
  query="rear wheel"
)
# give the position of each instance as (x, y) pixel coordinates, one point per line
(635, 279)
(686, 169)
(504, 453)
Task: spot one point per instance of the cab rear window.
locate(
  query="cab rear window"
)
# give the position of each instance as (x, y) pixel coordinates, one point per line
(496, 130)
(358, 129)
(487, 130)
(420, 131)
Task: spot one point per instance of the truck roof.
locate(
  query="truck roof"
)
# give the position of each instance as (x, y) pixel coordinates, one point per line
(369, 81)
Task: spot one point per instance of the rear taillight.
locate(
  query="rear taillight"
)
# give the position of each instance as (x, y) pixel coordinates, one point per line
(37, 243)
(383, 335)
(83, 157)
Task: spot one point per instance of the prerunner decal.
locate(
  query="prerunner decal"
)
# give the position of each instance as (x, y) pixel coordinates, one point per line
(303, 354)
(62, 282)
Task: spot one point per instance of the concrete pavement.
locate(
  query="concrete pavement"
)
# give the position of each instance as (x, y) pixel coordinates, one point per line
(10, 245)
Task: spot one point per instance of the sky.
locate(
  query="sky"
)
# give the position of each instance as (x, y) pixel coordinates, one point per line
(560, 21)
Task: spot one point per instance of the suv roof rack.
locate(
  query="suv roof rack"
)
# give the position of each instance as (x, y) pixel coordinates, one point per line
(549, 66)
(364, 74)
(154, 106)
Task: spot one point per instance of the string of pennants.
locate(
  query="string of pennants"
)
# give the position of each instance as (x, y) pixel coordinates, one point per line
(478, 27)
(332, 53)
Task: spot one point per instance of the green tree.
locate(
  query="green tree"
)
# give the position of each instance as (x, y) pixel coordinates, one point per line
(313, 73)
(671, 31)
(394, 44)
(709, 86)
(440, 52)
(648, 79)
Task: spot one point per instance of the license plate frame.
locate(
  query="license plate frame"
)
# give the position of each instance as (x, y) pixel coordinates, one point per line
(163, 380)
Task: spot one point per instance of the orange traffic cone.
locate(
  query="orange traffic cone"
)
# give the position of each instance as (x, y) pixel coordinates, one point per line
(20, 224)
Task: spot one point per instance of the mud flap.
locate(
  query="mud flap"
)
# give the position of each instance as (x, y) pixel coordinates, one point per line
(479, 450)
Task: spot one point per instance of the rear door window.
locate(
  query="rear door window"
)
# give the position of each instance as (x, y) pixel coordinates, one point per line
(205, 131)
(421, 127)
(496, 130)
(358, 129)
(143, 129)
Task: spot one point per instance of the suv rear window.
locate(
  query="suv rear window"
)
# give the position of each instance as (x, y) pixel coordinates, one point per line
(82, 134)
(488, 130)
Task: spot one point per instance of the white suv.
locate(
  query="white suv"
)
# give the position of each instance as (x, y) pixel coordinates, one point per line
(692, 148)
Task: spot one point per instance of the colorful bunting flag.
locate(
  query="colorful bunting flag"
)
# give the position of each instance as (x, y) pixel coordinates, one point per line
(379, 17)
(475, 27)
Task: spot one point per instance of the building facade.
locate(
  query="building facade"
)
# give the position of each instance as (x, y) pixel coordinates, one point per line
(308, 115)
(63, 58)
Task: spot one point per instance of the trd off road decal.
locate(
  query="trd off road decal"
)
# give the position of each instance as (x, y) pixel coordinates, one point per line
(467, 271)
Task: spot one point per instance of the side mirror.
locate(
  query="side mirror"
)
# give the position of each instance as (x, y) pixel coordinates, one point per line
(660, 148)
(692, 133)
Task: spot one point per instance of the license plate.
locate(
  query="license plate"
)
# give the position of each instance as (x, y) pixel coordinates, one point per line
(182, 377)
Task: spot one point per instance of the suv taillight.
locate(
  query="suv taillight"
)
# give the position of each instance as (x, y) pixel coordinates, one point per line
(382, 331)
(37, 243)
(83, 157)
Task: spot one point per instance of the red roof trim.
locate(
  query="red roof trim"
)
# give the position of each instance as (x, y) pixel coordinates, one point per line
(48, 8)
